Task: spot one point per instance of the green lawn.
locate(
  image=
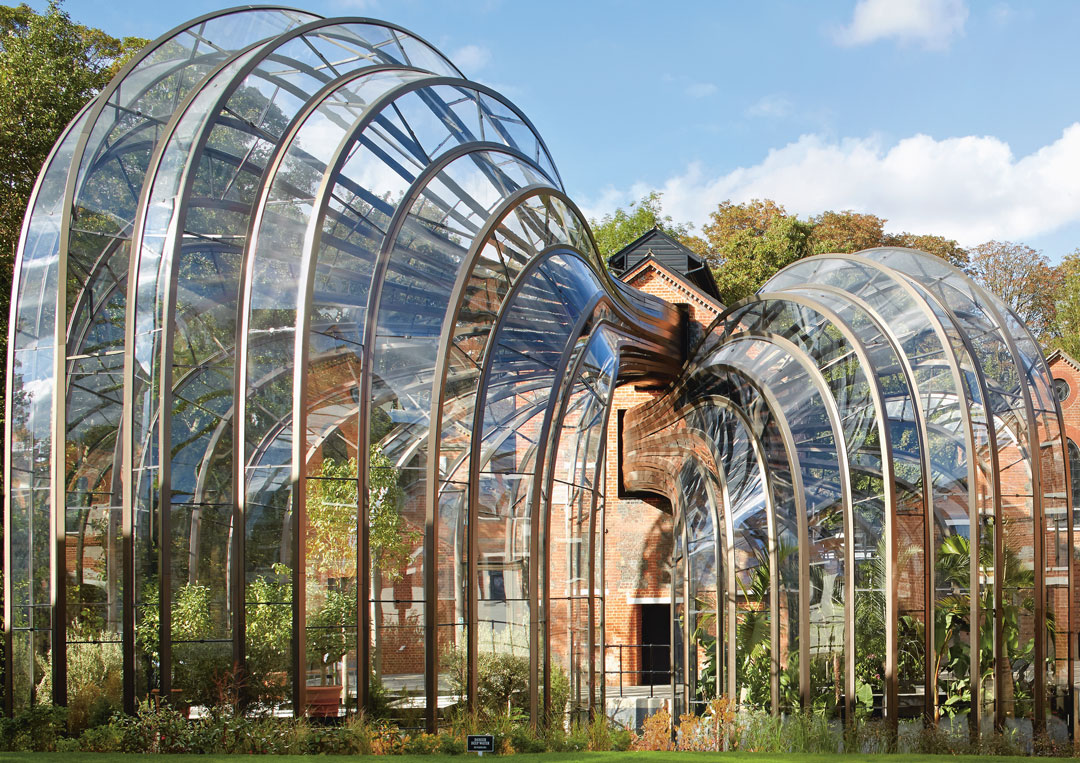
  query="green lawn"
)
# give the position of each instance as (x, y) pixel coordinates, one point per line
(600, 757)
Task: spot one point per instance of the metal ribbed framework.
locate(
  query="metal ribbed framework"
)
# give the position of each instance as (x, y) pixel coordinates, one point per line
(312, 273)
(288, 279)
(867, 430)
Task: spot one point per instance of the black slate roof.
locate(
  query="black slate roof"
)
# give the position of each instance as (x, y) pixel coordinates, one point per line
(669, 253)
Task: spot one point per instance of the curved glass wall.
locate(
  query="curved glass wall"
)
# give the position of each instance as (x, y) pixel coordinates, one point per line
(310, 377)
(944, 424)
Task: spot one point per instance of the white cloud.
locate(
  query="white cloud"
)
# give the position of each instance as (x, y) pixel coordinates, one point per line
(700, 89)
(931, 23)
(969, 188)
(770, 107)
(471, 58)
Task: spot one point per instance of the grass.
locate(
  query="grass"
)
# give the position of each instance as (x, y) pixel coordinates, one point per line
(552, 757)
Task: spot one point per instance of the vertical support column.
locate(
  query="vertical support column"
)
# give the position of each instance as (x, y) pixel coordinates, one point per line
(472, 608)
(773, 550)
(929, 602)
(299, 593)
(590, 646)
(431, 599)
(8, 608)
(671, 639)
(238, 562)
(58, 479)
(689, 677)
(163, 489)
(127, 510)
(236, 570)
(726, 606)
(603, 600)
(363, 566)
(1070, 625)
(1039, 541)
(892, 605)
(974, 544)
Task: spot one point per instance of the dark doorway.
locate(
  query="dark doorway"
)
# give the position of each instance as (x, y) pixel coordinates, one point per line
(655, 644)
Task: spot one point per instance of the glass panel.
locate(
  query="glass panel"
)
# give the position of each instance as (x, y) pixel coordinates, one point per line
(110, 169)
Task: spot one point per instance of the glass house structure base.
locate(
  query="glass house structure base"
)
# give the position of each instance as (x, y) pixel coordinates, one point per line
(308, 346)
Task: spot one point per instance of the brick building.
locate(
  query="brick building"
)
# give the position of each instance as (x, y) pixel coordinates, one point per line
(1066, 372)
(639, 528)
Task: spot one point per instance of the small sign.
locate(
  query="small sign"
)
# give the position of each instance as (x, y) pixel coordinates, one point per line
(480, 743)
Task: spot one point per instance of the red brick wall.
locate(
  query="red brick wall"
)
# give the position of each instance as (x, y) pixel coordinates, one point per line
(638, 541)
(1064, 367)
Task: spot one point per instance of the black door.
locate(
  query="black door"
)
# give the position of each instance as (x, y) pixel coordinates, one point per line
(655, 644)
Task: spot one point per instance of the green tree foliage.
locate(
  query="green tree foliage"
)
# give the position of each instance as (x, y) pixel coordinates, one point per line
(945, 248)
(849, 231)
(1065, 333)
(1022, 277)
(846, 232)
(745, 244)
(748, 243)
(49, 67)
(614, 231)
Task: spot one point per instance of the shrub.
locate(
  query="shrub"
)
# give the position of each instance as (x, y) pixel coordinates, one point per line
(757, 731)
(103, 738)
(503, 682)
(451, 744)
(810, 732)
(421, 744)
(524, 739)
(715, 730)
(577, 739)
(599, 731)
(621, 739)
(37, 729)
(94, 678)
(386, 739)
(655, 732)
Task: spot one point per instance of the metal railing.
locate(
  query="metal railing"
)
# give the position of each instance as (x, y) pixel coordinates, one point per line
(661, 656)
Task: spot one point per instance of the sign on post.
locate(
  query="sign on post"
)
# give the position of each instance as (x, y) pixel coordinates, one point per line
(480, 743)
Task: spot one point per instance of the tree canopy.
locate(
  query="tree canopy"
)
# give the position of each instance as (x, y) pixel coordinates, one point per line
(746, 243)
(1065, 333)
(49, 68)
(614, 231)
(1022, 277)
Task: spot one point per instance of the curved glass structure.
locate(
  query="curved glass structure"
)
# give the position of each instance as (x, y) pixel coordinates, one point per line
(916, 571)
(311, 370)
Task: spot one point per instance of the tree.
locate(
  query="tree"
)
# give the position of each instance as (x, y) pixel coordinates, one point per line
(748, 243)
(1022, 277)
(614, 231)
(49, 67)
(945, 248)
(849, 231)
(1066, 329)
(845, 232)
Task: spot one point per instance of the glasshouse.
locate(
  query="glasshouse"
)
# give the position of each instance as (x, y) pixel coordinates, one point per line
(311, 380)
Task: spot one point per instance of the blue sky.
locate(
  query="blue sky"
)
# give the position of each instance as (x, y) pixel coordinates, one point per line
(944, 116)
